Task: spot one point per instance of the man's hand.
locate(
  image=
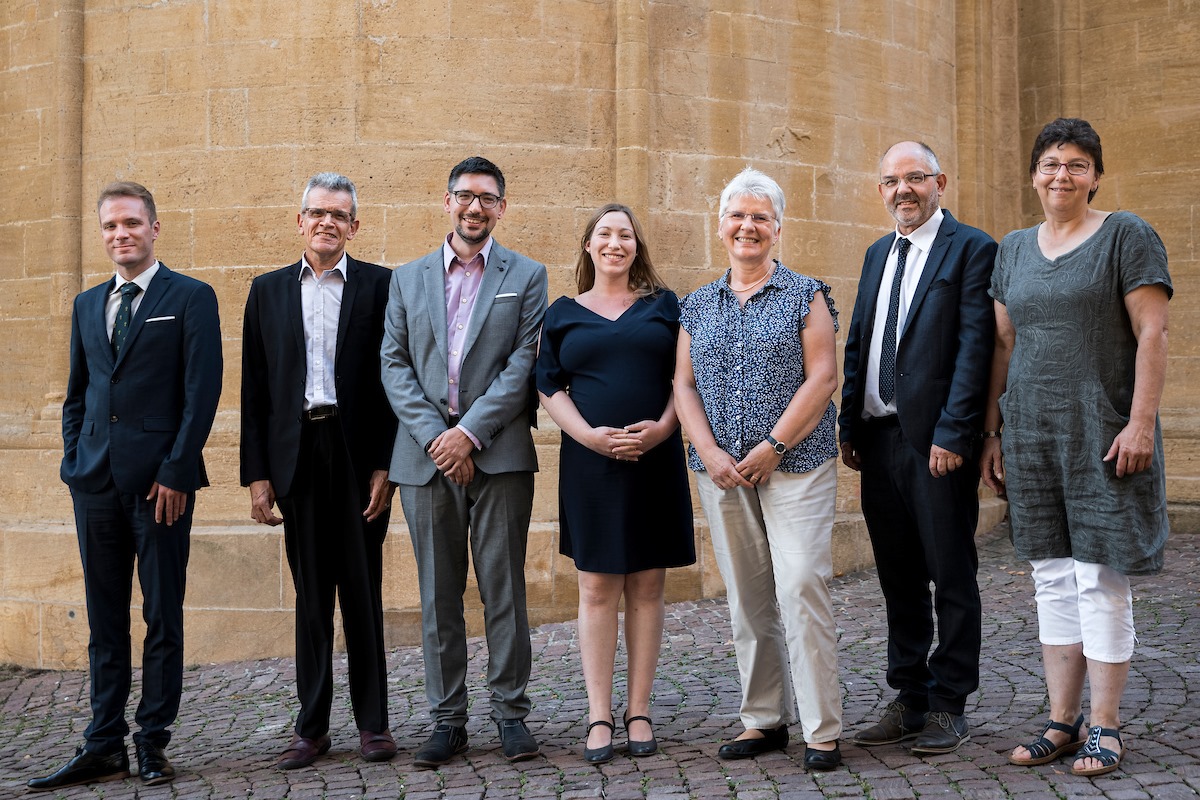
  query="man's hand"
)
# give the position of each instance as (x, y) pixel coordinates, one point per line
(381, 495)
(169, 504)
(262, 500)
(450, 448)
(942, 462)
(462, 473)
(991, 466)
(850, 456)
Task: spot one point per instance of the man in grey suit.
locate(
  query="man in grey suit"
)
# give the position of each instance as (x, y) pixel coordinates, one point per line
(459, 341)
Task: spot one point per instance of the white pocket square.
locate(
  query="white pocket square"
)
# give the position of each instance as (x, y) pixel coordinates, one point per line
(506, 294)
(159, 319)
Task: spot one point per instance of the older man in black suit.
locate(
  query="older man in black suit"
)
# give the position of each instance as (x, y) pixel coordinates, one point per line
(317, 436)
(142, 394)
(918, 354)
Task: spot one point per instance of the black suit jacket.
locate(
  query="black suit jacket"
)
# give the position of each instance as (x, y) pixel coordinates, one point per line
(144, 417)
(274, 372)
(944, 357)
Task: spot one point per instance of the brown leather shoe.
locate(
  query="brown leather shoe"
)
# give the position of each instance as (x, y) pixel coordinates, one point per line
(376, 746)
(303, 752)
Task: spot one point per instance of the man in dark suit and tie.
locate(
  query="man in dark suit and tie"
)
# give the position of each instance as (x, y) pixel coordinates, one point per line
(461, 335)
(141, 397)
(918, 354)
(317, 437)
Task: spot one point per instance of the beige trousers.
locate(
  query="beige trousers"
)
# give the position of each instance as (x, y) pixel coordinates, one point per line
(772, 545)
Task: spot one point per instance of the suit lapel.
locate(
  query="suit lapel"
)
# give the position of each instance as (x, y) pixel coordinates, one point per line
(435, 298)
(93, 324)
(349, 292)
(493, 278)
(159, 285)
(933, 265)
(871, 283)
(294, 310)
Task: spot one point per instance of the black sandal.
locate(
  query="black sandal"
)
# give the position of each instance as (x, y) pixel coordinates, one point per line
(1043, 750)
(599, 755)
(1109, 759)
(641, 747)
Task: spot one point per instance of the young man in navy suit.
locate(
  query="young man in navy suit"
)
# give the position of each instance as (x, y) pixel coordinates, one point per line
(143, 389)
(317, 435)
(918, 354)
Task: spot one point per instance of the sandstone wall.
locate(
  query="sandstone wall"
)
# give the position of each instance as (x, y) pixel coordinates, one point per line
(224, 109)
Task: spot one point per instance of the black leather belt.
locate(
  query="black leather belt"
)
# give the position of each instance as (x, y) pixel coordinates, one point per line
(319, 413)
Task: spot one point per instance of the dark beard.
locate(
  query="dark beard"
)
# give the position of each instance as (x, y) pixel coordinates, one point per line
(458, 229)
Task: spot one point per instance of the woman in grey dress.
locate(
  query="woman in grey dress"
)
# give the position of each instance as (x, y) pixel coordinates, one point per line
(1081, 350)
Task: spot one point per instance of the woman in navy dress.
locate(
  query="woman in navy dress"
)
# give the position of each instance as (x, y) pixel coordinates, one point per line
(604, 374)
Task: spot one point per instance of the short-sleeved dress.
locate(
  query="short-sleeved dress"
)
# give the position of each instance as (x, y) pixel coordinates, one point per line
(618, 517)
(1069, 392)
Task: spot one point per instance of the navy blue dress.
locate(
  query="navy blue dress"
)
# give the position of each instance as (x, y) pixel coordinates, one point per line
(618, 517)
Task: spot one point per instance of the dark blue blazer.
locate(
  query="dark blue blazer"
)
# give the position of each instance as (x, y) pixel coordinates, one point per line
(144, 417)
(944, 356)
(274, 370)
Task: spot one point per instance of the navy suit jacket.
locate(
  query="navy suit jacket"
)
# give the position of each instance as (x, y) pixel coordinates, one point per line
(944, 356)
(144, 417)
(274, 370)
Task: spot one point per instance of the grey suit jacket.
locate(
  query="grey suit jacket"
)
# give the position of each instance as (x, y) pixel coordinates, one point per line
(494, 388)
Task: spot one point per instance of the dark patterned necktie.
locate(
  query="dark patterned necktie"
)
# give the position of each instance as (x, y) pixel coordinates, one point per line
(887, 353)
(124, 315)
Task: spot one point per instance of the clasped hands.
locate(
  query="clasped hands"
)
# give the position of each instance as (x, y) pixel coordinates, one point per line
(629, 443)
(451, 452)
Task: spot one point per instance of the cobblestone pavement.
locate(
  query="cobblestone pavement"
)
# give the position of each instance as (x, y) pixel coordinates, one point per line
(237, 717)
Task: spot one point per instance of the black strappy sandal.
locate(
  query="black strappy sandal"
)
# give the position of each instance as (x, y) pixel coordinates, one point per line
(1109, 759)
(1043, 750)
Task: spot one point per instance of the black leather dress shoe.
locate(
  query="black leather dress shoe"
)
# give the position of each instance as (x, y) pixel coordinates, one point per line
(772, 739)
(944, 733)
(153, 766)
(518, 742)
(446, 742)
(85, 767)
(822, 760)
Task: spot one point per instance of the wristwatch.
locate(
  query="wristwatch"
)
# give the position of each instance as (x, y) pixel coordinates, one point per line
(776, 445)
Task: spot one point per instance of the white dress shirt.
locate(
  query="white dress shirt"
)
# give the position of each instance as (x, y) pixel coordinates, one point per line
(113, 304)
(321, 307)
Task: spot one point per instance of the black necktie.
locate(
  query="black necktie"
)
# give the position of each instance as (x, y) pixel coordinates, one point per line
(124, 315)
(887, 352)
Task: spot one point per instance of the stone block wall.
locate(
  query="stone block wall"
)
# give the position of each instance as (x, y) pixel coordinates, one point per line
(225, 109)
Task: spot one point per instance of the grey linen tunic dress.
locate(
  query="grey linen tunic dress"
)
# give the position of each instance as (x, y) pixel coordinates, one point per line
(1070, 387)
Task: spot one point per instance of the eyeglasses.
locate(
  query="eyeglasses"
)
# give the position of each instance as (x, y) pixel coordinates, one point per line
(486, 199)
(1051, 167)
(740, 216)
(318, 214)
(912, 179)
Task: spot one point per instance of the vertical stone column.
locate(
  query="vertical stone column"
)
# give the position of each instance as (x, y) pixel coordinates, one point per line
(63, 244)
(632, 90)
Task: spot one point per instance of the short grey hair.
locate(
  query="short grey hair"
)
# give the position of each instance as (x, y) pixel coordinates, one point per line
(332, 182)
(930, 156)
(757, 184)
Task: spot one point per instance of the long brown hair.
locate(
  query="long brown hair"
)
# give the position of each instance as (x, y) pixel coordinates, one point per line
(642, 278)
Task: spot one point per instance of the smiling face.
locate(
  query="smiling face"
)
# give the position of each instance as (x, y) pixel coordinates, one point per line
(1063, 194)
(612, 245)
(473, 223)
(747, 241)
(325, 237)
(911, 205)
(128, 234)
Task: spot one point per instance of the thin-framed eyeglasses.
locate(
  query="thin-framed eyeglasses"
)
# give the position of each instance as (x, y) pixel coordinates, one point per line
(912, 179)
(1051, 167)
(318, 214)
(465, 198)
(741, 216)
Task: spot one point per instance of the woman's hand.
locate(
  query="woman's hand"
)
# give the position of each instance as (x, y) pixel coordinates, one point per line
(608, 442)
(1133, 449)
(759, 463)
(640, 438)
(723, 470)
(991, 465)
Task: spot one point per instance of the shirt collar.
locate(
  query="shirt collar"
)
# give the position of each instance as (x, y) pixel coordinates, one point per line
(923, 236)
(448, 254)
(339, 267)
(142, 280)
